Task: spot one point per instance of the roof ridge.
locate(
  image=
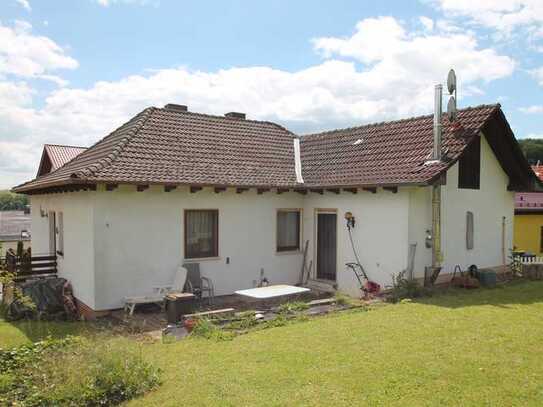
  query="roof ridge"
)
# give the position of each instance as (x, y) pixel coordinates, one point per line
(216, 116)
(93, 168)
(407, 119)
(63, 145)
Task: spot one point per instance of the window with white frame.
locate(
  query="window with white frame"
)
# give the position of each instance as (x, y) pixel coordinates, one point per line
(201, 233)
(288, 230)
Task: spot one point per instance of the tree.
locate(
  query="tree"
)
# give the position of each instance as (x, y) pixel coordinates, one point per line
(532, 149)
(12, 202)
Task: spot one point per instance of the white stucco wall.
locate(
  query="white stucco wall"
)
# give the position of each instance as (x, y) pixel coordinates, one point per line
(380, 233)
(77, 263)
(489, 204)
(139, 240)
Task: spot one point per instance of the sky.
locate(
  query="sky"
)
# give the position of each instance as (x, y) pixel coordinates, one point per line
(72, 71)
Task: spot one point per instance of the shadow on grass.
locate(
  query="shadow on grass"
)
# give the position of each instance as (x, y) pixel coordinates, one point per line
(503, 295)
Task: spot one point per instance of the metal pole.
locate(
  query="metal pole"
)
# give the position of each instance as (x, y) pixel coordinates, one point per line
(437, 122)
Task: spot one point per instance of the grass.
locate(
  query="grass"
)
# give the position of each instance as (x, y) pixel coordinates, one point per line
(469, 348)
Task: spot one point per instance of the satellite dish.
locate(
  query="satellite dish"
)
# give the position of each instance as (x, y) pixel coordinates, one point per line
(451, 81)
(451, 109)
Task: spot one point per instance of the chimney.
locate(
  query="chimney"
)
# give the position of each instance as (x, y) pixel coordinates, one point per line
(436, 155)
(235, 115)
(176, 108)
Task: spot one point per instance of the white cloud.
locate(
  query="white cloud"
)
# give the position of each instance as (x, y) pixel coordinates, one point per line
(538, 75)
(534, 109)
(396, 80)
(503, 15)
(25, 4)
(23, 54)
(396, 55)
(427, 23)
(107, 3)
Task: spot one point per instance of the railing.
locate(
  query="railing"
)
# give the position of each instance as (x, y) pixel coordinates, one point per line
(526, 260)
(26, 266)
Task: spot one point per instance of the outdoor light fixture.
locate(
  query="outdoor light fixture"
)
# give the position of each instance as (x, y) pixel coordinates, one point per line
(350, 219)
(429, 239)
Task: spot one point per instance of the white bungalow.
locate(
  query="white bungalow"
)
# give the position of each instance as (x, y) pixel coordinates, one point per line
(241, 197)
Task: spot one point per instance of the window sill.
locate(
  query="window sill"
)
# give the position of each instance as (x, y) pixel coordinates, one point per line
(287, 252)
(198, 259)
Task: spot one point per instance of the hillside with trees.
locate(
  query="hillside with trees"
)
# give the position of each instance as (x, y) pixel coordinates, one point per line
(532, 149)
(12, 202)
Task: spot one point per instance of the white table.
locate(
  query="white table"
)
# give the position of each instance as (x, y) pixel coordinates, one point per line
(272, 291)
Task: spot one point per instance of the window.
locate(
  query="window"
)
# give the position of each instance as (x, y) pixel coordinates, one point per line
(288, 230)
(469, 230)
(201, 233)
(60, 233)
(469, 166)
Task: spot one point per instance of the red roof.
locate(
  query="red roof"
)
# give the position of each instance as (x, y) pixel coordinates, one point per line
(55, 156)
(167, 146)
(538, 170)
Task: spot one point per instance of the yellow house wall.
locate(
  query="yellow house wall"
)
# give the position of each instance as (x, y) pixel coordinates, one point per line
(527, 232)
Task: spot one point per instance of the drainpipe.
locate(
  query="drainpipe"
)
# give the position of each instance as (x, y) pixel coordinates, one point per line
(436, 190)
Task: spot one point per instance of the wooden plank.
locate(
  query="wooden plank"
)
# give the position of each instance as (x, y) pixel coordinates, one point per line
(209, 313)
(322, 301)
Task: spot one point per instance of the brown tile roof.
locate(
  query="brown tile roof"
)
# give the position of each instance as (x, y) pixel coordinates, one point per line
(165, 146)
(387, 153)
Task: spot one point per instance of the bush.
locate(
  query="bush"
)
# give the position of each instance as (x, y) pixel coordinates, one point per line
(73, 372)
(403, 287)
(204, 328)
(292, 307)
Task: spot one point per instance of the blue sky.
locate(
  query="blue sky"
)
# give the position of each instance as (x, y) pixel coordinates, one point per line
(71, 71)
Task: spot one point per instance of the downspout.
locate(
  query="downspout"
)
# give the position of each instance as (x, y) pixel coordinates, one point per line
(436, 191)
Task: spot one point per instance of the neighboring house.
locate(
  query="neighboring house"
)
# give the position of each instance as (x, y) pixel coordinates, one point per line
(55, 156)
(14, 227)
(528, 235)
(242, 196)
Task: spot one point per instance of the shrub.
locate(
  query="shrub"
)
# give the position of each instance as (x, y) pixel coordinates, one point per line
(292, 307)
(73, 372)
(204, 328)
(403, 287)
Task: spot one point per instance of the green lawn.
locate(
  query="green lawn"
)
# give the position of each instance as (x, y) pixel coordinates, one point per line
(482, 347)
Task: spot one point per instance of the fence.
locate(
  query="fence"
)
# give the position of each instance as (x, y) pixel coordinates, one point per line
(26, 266)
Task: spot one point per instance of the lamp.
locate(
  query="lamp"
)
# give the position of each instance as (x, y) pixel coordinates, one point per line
(349, 217)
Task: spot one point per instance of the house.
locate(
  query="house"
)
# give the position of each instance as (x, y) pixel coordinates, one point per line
(55, 156)
(14, 227)
(528, 234)
(241, 197)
